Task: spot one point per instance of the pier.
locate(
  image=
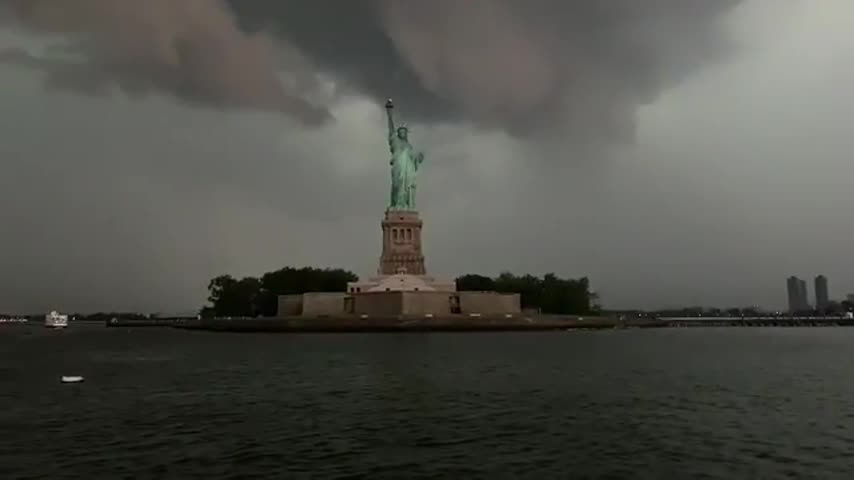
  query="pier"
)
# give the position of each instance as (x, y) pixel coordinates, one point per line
(759, 321)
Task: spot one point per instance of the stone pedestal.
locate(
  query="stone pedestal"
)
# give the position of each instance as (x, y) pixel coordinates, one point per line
(402, 261)
(401, 244)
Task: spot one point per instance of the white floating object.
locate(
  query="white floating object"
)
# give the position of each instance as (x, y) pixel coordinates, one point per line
(71, 379)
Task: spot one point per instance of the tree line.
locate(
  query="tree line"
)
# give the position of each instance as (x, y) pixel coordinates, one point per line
(550, 294)
(258, 296)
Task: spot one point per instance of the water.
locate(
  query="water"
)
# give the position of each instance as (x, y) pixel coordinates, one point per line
(658, 404)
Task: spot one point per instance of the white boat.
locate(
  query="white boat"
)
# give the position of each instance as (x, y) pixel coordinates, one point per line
(55, 320)
(71, 379)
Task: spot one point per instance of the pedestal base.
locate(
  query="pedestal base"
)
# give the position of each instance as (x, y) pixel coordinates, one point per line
(401, 251)
(401, 283)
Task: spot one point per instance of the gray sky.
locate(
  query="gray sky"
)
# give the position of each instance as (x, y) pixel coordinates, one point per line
(676, 152)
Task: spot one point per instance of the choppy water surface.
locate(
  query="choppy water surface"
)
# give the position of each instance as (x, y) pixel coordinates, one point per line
(658, 404)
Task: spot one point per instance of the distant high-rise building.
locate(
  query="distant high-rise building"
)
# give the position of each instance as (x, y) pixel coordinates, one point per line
(797, 290)
(822, 300)
(792, 290)
(805, 303)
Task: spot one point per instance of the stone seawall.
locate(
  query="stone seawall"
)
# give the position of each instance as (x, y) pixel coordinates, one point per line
(450, 323)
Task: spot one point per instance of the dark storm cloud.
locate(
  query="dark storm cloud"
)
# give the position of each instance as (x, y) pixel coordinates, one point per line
(583, 65)
(191, 49)
(578, 66)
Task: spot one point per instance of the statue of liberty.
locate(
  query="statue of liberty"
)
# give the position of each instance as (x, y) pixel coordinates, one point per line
(404, 164)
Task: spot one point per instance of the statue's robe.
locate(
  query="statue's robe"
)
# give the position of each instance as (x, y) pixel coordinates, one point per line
(404, 165)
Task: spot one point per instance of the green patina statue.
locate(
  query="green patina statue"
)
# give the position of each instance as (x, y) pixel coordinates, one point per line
(404, 164)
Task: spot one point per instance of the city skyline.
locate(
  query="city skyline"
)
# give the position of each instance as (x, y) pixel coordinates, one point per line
(798, 296)
(673, 155)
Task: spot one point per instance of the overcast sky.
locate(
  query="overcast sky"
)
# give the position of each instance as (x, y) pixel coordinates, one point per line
(676, 152)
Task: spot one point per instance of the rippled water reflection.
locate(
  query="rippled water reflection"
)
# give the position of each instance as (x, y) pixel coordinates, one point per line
(662, 404)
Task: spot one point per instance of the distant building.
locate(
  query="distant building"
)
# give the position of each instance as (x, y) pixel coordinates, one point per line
(797, 290)
(792, 291)
(805, 303)
(822, 300)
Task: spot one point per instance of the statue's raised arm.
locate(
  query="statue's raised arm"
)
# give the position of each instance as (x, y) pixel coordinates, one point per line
(389, 108)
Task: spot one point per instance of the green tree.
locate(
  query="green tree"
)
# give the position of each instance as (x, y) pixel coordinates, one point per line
(230, 297)
(250, 296)
(550, 294)
(294, 281)
(475, 283)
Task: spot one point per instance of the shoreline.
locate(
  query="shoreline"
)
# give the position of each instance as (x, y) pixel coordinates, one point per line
(448, 323)
(463, 323)
(445, 323)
